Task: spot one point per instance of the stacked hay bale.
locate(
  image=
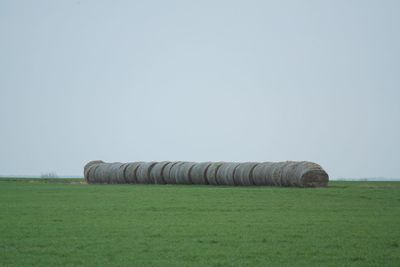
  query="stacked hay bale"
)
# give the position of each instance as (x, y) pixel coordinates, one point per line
(288, 173)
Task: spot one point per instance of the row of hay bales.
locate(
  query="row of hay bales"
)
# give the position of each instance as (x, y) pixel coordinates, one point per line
(289, 173)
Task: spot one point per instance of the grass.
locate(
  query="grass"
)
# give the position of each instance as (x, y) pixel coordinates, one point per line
(66, 222)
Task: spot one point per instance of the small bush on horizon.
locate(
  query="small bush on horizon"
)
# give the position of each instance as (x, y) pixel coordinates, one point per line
(48, 175)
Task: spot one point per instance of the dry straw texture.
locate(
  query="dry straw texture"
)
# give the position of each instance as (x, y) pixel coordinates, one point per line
(288, 173)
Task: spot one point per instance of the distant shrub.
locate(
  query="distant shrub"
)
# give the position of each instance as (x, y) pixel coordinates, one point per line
(48, 175)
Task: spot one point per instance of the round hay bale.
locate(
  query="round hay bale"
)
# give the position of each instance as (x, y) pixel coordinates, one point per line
(88, 166)
(211, 174)
(262, 174)
(289, 176)
(90, 176)
(270, 174)
(143, 172)
(105, 171)
(100, 176)
(301, 168)
(198, 173)
(94, 174)
(102, 173)
(120, 177)
(167, 172)
(174, 172)
(225, 173)
(109, 172)
(156, 173)
(183, 172)
(275, 173)
(313, 175)
(243, 174)
(131, 172)
(113, 172)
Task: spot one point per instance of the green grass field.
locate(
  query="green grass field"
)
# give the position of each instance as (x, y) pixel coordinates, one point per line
(67, 222)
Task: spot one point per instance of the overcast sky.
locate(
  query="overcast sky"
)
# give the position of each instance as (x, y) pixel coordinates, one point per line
(200, 81)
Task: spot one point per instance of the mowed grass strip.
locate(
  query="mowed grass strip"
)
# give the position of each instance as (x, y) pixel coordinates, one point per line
(66, 222)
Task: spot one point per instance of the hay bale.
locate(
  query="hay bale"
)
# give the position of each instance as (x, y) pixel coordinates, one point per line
(109, 173)
(90, 177)
(167, 172)
(301, 168)
(156, 173)
(102, 173)
(243, 174)
(277, 173)
(288, 175)
(198, 173)
(183, 172)
(262, 174)
(87, 167)
(225, 173)
(93, 174)
(112, 172)
(120, 174)
(211, 174)
(174, 172)
(312, 175)
(143, 172)
(105, 173)
(268, 173)
(131, 172)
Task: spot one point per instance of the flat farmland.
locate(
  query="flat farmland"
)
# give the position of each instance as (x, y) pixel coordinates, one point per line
(45, 222)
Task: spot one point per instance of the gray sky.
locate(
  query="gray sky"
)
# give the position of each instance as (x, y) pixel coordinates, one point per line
(200, 81)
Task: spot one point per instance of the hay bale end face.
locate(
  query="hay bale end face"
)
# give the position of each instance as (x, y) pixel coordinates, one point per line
(289, 173)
